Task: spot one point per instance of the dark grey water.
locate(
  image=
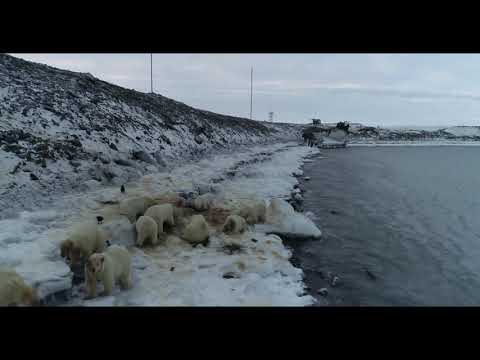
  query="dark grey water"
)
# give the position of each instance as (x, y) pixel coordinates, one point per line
(408, 215)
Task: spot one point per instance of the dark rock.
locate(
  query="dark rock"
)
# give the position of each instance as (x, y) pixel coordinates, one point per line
(231, 275)
(335, 281)
(322, 291)
(123, 162)
(254, 240)
(334, 212)
(371, 275)
(232, 249)
(143, 156)
(33, 176)
(113, 146)
(198, 139)
(122, 189)
(172, 268)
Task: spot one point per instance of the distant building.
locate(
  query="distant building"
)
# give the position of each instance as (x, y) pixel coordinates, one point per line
(316, 122)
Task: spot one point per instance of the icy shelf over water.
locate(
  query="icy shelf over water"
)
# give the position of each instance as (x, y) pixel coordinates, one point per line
(257, 273)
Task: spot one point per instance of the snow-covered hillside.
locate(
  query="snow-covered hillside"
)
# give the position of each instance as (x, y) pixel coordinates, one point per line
(62, 131)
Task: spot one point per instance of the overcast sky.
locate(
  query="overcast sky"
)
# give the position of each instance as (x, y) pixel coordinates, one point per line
(375, 89)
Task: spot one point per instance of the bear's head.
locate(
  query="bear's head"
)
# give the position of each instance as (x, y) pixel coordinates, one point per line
(65, 248)
(95, 264)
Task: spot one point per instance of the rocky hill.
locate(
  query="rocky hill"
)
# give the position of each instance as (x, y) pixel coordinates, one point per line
(448, 134)
(62, 131)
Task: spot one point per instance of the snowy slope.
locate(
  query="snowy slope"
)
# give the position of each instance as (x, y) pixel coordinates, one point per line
(62, 131)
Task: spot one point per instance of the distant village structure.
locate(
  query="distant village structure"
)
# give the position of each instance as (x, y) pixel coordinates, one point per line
(326, 135)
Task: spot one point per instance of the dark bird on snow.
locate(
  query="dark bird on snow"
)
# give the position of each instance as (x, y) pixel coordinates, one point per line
(122, 189)
(100, 219)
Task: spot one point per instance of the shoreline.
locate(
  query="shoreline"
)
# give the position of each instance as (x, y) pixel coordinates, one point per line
(38, 261)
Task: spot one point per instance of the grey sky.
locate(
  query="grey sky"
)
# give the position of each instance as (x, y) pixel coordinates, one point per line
(376, 89)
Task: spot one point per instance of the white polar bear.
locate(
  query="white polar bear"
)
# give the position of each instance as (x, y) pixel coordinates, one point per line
(253, 213)
(197, 230)
(203, 202)
(84, 240)
(112, 266)
(234, 224)
(278, 209)
(147, 229)
(161, 214)
(135, 207)
(169, 197)
(14, 291)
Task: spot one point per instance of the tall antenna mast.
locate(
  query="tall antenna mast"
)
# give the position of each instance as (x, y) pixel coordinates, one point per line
(151, 73)
(251, 92)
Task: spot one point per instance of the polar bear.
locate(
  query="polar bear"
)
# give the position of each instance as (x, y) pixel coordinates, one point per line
(161, 214)
(14, 291)
(169, 197)
(278, 209)
(253, 213)
(135, 207)
(147, 229)
(218, 215)
(203, 202)
(197, 230)
(84, 240)
(234, 224)
(112, 266)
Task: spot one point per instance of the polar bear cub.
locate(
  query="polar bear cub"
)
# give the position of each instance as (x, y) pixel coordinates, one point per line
(14, 291)
(112, 266)
(161, 214)
(84, 240)
(147, 229)
(197, 230)
(234, 224)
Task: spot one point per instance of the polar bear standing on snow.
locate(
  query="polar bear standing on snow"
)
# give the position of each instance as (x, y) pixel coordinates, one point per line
(161, 214)
(14, 290)
(112, 266)
(147, 229)
(234, 224)
(135, 207)
(197, 230)
(254, 213)
(84, 240)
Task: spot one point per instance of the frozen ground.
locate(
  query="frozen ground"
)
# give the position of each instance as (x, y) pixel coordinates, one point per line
(257, 273)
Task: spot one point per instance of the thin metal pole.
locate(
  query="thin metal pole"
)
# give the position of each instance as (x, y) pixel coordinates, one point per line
(251, 93)
(151, 73)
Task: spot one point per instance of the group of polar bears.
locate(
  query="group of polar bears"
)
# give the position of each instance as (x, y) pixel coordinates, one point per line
(88, 244)
(152, 216)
